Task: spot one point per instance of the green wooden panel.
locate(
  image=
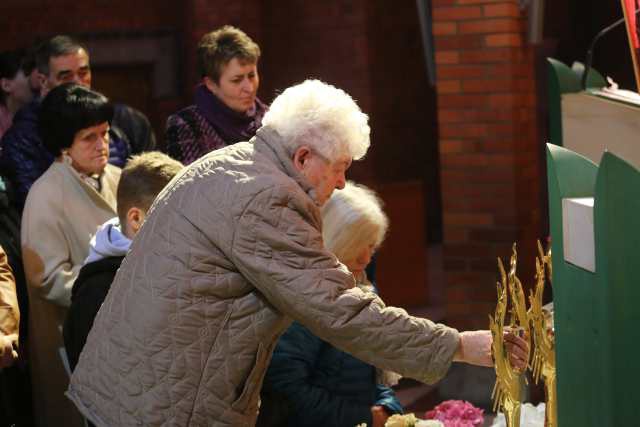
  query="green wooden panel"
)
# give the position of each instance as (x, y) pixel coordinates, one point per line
(566, 78)
(579, 381)
(617, 227)
(594, 79)
(561, 79)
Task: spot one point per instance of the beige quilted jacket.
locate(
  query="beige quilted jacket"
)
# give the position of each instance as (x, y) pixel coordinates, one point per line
(229, 254)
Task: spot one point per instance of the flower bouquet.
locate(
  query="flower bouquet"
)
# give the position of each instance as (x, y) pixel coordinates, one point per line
(456, 413)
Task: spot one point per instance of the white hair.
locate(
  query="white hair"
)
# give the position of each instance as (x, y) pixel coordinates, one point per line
(352, 218)
(321, 116)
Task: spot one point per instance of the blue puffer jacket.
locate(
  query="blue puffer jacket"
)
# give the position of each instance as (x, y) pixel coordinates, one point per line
(23, 157)
(311, 383)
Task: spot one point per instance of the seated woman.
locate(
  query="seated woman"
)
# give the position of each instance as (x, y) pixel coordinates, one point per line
(226, 109)
(64, 208)
(310, 382)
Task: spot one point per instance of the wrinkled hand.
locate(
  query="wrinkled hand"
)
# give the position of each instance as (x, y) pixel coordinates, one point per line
(475, 348)
(518, 350)
(7, 353)
(379, 416)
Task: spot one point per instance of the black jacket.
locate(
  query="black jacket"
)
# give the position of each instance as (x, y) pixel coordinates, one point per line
(88, 293)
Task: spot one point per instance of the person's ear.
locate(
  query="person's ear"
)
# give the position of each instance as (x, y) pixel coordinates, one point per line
(6, 85)
(135, 218)
(44, 84)
(210, 84)
(300, 157)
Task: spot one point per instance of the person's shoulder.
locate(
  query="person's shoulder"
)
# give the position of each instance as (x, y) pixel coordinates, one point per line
(184, 116)
(49, 184)
(124, 112)
(24, 128)
(51, 178)
(95, 277)
(112, 170)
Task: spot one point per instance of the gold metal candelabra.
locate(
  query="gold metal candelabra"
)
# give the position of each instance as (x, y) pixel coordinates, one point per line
(544, 358)
(508, 388)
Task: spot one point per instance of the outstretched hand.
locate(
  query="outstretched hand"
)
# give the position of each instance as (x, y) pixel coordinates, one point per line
(518, 350)
(475, 349)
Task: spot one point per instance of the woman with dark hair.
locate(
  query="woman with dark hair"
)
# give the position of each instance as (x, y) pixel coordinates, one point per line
(64, 207)
(226, 108)
(15, 90)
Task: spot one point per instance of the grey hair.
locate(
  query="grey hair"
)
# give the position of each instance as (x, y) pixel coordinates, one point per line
(321, 116)
(351, 218)
(52, 48)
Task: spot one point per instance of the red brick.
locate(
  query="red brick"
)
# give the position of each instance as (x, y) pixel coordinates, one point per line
(449, 86)
(510, 100)
(486, 56)
(485, 26)
(444, 29)
(510, 9)
(479, 1)
(464, 161)
(456, 13)
(494, 235)
(437, 3)
(455, 234)
(463, 116)
(470, 250)
(467, 42)
(462, 101)
(500, 40)
(451, 146)
(457, 294)
(447, 57)
(461, 71)
(487, 86)
(465, 130)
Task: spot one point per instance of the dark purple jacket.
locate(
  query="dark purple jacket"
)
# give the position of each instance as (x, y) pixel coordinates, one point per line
(209, 125)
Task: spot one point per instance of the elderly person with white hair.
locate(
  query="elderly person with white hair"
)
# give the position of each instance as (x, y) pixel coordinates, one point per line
(232, 252)
(310, 382)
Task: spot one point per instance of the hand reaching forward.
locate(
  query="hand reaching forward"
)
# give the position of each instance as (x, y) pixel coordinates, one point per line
(475, 349)
(7, 353)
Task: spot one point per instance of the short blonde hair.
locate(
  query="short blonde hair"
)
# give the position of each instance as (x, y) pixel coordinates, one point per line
(142, 179)
(321, 116)
(351, 218)
(217, 48)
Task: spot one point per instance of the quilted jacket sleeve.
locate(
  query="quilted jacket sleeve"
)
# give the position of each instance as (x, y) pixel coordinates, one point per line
(291, 374)
(279, 250)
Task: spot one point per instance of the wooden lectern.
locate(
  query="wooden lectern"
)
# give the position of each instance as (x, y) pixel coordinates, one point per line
(596, 287)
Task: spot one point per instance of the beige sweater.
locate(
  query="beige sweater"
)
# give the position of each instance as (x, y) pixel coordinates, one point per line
(61, 214)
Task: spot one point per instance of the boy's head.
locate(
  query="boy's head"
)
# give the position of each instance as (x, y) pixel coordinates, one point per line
(141, 181)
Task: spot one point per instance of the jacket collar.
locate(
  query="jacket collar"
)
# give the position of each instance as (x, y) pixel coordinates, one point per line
(99, 197)
(268, 142)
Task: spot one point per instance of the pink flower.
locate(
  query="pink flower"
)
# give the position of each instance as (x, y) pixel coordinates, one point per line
(456, 413)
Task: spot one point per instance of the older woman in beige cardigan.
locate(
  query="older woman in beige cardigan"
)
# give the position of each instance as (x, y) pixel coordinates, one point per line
(63, 210)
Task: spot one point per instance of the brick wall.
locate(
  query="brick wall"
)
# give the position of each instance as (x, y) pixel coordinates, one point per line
(23, 21)
(485, 95)
(488, 149)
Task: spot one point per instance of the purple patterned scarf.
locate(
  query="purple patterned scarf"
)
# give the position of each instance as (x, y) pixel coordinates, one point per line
(230, 125)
